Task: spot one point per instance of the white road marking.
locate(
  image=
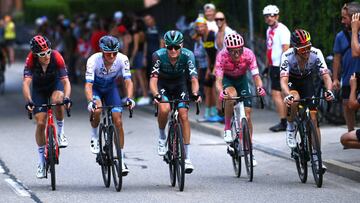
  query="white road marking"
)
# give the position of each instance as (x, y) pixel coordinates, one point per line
(2, 169)
(17, 188)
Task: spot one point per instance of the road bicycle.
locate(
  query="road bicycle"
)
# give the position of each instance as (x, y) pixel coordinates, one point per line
(52, 151)
(241, 146)
(109, 157)
(175, 155)
(308, 146)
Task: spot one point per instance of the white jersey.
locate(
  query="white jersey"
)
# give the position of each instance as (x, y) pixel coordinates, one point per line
(212, 26)
(290, 67)
(102, 78)
(227, 31)
(275, 39)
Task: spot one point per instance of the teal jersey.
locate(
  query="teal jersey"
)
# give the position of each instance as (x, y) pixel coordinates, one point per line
(184, 66)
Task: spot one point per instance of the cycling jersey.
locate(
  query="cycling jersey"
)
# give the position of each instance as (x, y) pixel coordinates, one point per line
(289, 64)
(102, 78)
(163, 69)
(45, 81)
(225, 66)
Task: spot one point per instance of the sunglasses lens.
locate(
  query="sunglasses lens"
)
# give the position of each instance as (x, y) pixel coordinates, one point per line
(43, 54)
(173, 47)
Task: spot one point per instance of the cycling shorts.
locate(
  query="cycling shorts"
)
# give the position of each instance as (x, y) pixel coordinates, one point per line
(111, 97)
(358, 134)
(42, 96)
(241, 86)
(174, 89)
(275, 77)
(306, 89)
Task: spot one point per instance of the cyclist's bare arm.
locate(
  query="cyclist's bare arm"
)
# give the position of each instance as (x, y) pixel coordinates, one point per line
(327, 81)
(88, 91)
(67, 87)
(153, 86)
(194, 85)
(284, 85)
(129, 87)
(218, 83)
(257, 80)
(26, 88)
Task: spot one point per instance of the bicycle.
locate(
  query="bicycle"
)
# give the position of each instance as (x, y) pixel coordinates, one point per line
(52, 150)
(242, 143)
(109, 141)
(175, 156)
(308, 146)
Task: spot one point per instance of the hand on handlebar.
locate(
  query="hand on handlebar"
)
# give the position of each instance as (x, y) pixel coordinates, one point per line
(91, 106)
(67, 102)
(30, 106)
(196, 98)
(223, 94)
(329, 95)
(289, 99)
(157, 99)
(130, 103)
(261, 91)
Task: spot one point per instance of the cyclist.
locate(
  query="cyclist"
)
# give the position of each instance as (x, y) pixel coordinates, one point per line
(172, 67)
(45, 69)
(232, 62)
(296, 78)
(102, 70)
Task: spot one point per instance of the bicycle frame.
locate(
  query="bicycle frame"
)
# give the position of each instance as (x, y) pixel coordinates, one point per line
(50, 122)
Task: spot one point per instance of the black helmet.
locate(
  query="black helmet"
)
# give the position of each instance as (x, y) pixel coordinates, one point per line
(39, 44)
(109, 43)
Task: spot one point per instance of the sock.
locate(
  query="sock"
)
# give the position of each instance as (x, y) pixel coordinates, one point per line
(213, 111)
(283, 121)
(162, 134)
(94, 133)
(122, 154)
(187, 151)
(41, 151)
(227, 123)
(60, 125)
(207, 112)
(290, 125)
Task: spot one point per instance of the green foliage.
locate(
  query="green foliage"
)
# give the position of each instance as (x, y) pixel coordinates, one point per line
(50, 8)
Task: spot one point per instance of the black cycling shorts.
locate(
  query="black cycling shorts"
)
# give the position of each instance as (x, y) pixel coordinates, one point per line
(305, 87)
(358, 134)
(174, 89)
(275, 77)
(42, 96)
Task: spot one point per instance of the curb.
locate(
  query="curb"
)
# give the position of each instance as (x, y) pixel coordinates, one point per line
(333, 166)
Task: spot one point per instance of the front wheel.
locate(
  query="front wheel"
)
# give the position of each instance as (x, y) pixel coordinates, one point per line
(51, 159)
(117, 158)
(300, 154)
(315, 151)
(235, 154)
(104, 156)
(180, 157)
(170, 155)
(247, 148)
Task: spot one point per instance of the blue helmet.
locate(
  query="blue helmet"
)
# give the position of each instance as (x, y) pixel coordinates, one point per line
(109, 43)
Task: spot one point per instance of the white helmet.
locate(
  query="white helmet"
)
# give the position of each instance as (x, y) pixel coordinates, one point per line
(271, 9)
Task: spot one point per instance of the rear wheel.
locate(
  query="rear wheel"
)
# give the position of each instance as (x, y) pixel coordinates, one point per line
(104, 156)
(170, 155)
(117, 159)
(180, 157)
(51, 156)
(247, 148)
(300, 154)
(315, 151)
(236, 157)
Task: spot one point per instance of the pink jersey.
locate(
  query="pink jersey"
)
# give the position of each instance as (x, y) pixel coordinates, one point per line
(225, 66)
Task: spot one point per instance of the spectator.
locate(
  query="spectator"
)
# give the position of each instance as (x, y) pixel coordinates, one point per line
(355, 26)
(137, 60)
(152, 41)
(9, 37)
(344, 63)
(97, 33)
(277, 42)
(351, 139)
(201, 61)
(209, 11)
(224, 30)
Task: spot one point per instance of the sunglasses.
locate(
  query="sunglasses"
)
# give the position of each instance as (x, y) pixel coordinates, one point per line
(304, 49)
(44, 53)
(238, 51)
(219, 19)
(269, 15)
(110, 53)
(171, 47)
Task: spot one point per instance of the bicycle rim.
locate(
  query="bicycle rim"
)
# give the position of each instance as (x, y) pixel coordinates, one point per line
(247, 148)
(52, 157)
(170, 156)
(315, 151)
(180, 158)
(104, 156)
(236, 158)
(300, 155)
(117, 159)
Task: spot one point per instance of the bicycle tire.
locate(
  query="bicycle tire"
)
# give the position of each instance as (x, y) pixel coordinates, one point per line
(117, 159)
(315, 151)
(247, 149)
(236, 157)
(51, 156)
(180, 157)
(301, 154)
(170, 154)
(104, 156)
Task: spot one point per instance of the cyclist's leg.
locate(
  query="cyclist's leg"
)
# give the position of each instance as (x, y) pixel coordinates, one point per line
(242, 87)
(57, 96)
(229, 86)
(112, 98)
(163, 108)
(97, 95)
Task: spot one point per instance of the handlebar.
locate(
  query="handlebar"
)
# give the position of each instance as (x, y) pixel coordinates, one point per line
(68, 110)
(111, 107)
(176, 102)
(240, 98)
